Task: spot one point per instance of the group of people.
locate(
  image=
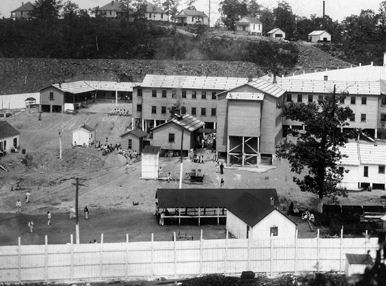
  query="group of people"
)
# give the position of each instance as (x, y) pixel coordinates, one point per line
(120, 111)
(27, 200)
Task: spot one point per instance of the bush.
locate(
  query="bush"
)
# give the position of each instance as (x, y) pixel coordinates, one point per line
(247, 275)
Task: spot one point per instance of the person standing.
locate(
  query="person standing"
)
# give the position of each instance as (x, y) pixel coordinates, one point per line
(221, 183)
(49, 218)
(31, 226)
(18, 206)
(221, 168)
(27, 196)
(85, 212)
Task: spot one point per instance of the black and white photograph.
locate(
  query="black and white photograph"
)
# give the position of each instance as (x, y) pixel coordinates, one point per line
(193, 142)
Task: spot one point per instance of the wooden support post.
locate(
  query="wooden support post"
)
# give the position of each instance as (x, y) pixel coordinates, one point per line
(199, 216)
(242, 151)
(19, 259)
(179, 216)
(296, 251)
(228, 148)
(175, 254)
(201, 254)
(152, 254)
(270, 255)
(317, 251)
(71, 257)
(218, 216)
(127, 257)
(341, 250)
(46, 258)
(101, 258)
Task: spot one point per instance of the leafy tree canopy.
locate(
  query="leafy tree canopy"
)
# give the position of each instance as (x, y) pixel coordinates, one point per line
(232, 11)
(316, 150)
(46, 10)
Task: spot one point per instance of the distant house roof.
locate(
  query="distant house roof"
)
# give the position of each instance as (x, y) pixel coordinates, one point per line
(7, 130)
(25, 7)
(151, 149)
(111, 6)
(188, 12)
(275, 30)
(248, 20)
(151, 8)
(208, 198)
(192, 82)
(318, 32)
(86, 127)
(136, 132)
(359, 259)
(187, 121)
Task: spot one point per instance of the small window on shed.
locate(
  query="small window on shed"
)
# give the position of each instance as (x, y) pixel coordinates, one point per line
(174, 93)
(203, 94)
(139, 92)
(130, 144)
(365, 171)
(51, 95)
(381, 169)
(194, 94)
(171, 137)
(274, 231)
(289, 97)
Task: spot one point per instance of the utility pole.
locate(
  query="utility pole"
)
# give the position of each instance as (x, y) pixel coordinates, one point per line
(60, 144)
(77, 184)
(182, 158)
(209, 15)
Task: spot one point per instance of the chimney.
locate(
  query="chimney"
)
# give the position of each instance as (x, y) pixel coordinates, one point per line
(272, 201)
(250, 78)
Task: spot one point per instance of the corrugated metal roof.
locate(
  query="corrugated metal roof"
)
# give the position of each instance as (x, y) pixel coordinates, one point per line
(245, 95)
(317, 32)
(267, 87)
(187, 121)
(327, 86)
(111, 6)
(350, 150)
(192, 82)
(364, 153)
(151, 8)
(7, 130)
(76, 87)
(87, 128)
(139, 133)
(363, 259)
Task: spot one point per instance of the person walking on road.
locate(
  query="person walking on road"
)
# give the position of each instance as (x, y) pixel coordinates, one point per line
(221, 168)
(221, 183)
(31, 226)
(27, 196)
(18, 206)
(85, 212)
(49, 218)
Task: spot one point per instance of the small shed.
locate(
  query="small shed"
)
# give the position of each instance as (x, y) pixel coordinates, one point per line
(9, 137)
(83, 136)
(150, 162)
(357, 263)
(319, 36)
(133, 140)
(30, 102)
(277, 33)
(257, 218)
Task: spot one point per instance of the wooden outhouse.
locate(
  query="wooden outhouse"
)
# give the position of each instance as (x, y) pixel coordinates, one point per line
(150, 162)
(357, 263)
(257, 218)
(9, 137)
(133, 140)
(83, 136)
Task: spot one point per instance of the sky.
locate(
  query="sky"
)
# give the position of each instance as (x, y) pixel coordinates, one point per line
(336, 9)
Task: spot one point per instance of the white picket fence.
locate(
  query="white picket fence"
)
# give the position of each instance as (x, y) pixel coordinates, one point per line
(175, 259)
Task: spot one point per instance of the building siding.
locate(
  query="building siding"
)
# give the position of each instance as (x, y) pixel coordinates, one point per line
(8, 143)
(136, 142)
(161, 137)
(45, 97)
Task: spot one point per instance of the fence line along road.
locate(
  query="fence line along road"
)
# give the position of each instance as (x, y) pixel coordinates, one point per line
(175, 259)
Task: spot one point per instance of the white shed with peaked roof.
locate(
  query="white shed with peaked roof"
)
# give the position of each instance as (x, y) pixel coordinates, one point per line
(319, 36)
(83, 136)
(276, 33)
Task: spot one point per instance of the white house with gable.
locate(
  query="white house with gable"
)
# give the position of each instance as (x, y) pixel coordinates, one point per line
(84, 136)
(251, 25)
(276, 33)
(319, 36)
(365, 163)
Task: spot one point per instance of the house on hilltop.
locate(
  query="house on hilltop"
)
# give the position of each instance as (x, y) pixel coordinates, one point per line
(9, 137)
(155, 13)
(190, 17)
(23, 12)
(319, 36)
(113, 9)
(251, 25)
(276, 33)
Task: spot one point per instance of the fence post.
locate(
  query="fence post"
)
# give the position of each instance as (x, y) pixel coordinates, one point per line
(175, 253)
(296, 251)
(341, 249)
(226, 252)
(46, 258)
(317, 250)
(270, 254)
(19, 259)
(101, 258)
(71, 257)
(201, 258)
(152, 254)
(127, 257)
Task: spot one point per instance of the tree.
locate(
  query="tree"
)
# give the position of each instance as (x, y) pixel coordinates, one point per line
(190, 4)
(170, 7)
(316, 150)
(232, 11)
(285, 19)
(46, 10)
(254, 8)
(267, 19)
(70, 10)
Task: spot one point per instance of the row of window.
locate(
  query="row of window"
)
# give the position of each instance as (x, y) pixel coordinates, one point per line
(363, 117)
(204, 94)
(320, 98)
(193, 110)
(381, 170)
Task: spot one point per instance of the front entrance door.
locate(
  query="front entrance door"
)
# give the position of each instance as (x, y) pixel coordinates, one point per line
(15, 142)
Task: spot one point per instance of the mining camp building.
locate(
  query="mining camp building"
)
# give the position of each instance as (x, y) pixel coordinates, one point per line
(83, 136)
(319, 36)
(134, 140)
(276, 33)
(23, 12)
(9, 137)
(150, 162)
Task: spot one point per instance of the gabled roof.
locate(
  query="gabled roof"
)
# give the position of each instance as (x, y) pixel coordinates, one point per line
(248, 20)
(136, 132)
(317, 32)
(254, 96)
(208, 198)
(363, 259)
(275, 30)
(72, 87)
(363, 153)
(187, 121)
(151, 8)
(7, 130)
(188, 12)
(86, 127)
(82, 86)
(261, 85)
(111, 6)
(192, 82)
(26, 7)
(151, 149)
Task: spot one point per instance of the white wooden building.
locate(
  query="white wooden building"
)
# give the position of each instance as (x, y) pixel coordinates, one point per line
(9, 137)
(365, 163)
(251, 25)
(83, 136)
(276, 33)
(250, 217)
(357, 263)
(319, 36)
(150, 162)
(155, 13)
(191, 17)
